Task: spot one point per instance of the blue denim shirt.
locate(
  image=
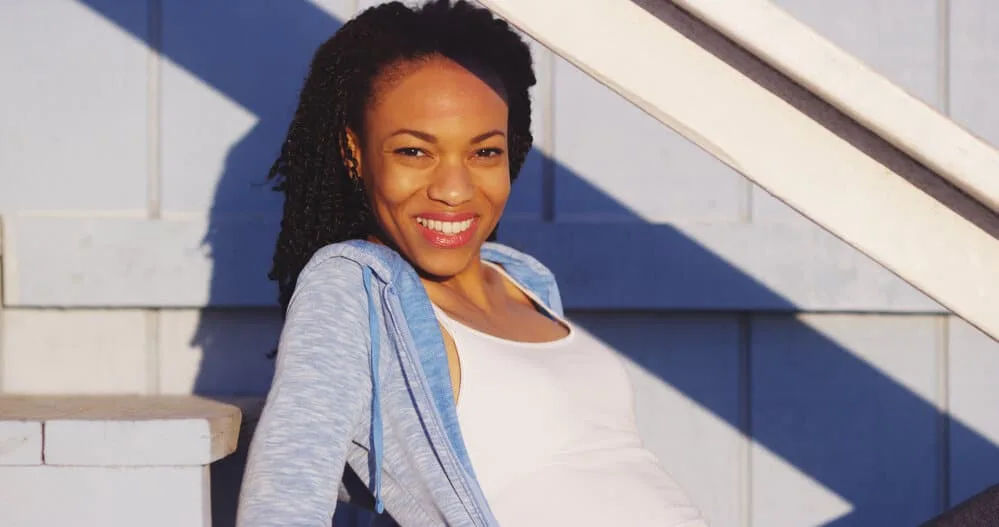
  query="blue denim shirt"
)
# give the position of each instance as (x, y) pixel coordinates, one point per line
(362, 380)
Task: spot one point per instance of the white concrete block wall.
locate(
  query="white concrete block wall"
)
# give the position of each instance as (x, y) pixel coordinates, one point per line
(74, 101)
(973, 66)
(89, 351)
(851, 402)
(768, 419)
(20, 443)
(112, 460)
(216, 351)
(972, 398)
(148, 496)
(609, 154)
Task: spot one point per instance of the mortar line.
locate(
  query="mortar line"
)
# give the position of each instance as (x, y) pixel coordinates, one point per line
(154, 176)
(153, 115)
(943, 55)
(943, 412)
(745, 419)
(3, 317)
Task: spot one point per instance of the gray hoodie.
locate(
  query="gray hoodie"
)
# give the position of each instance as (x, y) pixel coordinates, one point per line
(359, 308)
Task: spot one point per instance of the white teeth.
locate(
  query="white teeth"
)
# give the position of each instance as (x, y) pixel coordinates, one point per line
(445, 227)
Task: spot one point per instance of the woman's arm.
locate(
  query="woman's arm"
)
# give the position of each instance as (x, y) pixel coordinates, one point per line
(321, 387)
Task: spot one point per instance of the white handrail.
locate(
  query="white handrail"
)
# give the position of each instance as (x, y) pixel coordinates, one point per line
(919, 130)
(786, 152)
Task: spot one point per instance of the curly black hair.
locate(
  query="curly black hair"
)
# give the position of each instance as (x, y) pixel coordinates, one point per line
(323, 203)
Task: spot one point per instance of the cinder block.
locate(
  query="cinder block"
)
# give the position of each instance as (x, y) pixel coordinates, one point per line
(846, 405)
(50, 351)
(223, 121)
(974, 67)
(217, 351)
(20, 442)
(130, 262)
(104, 496)
(973, 400)
(128, 430)
(610, 154)
(73, 101)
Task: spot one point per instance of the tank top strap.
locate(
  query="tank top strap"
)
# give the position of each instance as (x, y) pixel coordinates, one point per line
(445, 320)
(545, 310)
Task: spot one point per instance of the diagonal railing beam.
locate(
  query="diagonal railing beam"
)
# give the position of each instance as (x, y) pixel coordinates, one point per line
(924, 224)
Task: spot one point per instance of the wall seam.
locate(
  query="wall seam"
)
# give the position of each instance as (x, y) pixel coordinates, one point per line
(154, 182)
(745, 419)
(943, 412)
(943, 55)
(153, 89)
(3, 313)
(747, 212)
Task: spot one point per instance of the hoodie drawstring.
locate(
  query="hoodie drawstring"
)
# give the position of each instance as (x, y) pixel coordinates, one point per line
(376, 409)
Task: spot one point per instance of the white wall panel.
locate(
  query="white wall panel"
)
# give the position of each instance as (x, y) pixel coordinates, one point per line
(974, 66)
(86, 351)
(849, 401)
(73, 104)
(973, 369)
(615, 162)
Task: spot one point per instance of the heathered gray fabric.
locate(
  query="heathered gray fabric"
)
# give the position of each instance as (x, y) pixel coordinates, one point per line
(317, 417)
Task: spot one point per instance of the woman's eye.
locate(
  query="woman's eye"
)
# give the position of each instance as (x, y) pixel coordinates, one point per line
(410, 152)
(489, 152)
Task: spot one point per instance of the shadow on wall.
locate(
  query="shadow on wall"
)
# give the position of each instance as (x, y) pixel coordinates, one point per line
(833, 416)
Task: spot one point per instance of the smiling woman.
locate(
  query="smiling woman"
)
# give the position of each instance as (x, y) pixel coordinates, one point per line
(422, 369)
(434, 163)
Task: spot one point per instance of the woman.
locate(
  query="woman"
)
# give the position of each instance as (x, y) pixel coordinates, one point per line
(421, 367)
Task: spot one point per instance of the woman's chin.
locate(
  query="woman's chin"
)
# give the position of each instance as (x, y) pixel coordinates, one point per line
(441, 264)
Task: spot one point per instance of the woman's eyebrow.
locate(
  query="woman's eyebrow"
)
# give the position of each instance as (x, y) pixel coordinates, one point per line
(482, 137)
(432, 139)
(415, 133)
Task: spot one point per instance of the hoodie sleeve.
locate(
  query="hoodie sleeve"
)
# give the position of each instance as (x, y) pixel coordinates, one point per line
(320, 390)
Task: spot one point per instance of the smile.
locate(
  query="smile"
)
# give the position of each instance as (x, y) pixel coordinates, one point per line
(450, 233)
(446, 227)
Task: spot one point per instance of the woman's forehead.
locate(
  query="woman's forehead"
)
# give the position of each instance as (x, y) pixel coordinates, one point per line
(437, 90)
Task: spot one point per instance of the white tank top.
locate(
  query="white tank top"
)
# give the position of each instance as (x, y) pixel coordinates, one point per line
(550, 430)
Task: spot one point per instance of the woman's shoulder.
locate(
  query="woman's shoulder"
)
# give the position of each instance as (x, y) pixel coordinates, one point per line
(338, 269)
(351, 253)
(341, 264)
(347, 259)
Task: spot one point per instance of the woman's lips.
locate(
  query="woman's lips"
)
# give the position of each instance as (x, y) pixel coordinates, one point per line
(447, 231)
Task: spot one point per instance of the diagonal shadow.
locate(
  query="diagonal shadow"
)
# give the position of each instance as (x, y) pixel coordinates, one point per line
(851, 428)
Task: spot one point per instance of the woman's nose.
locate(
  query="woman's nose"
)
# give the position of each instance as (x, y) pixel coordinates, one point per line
(452, 185)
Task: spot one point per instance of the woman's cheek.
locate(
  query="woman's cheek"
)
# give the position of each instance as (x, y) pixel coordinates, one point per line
(497, 185)
(395, 186)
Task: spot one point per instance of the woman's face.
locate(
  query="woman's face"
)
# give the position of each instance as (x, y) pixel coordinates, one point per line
(434, 163)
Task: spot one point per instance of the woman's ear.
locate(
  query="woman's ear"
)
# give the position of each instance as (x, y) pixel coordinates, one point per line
(351, 154)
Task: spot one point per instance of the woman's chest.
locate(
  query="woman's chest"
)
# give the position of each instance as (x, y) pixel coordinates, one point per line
(520, 408)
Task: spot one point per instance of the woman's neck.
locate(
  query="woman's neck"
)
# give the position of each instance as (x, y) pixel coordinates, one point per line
(476, 286)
